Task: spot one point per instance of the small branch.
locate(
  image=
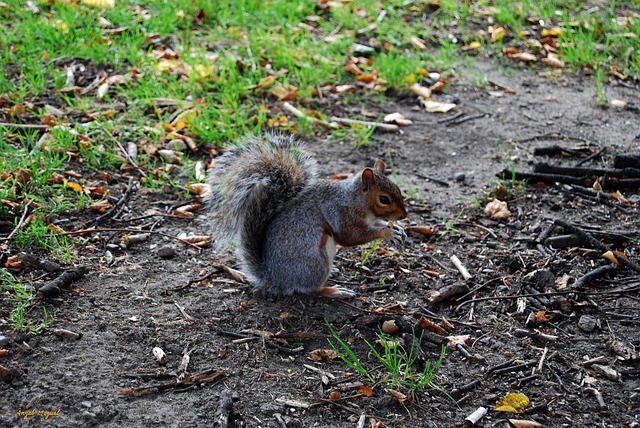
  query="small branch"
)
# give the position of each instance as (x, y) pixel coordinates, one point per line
(381, 126)
(89, 231)
(467, 118)
(221, 417)
(458, 264)
(300, 114)
(20, 222)
(52, 288)
(24, 126)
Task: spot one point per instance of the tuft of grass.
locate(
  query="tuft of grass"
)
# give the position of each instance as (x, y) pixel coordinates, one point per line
(451, 226)
(18, 301)
(400, 365)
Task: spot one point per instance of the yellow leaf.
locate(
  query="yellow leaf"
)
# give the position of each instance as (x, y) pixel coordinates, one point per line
(474, 45)
(102, 4)
(76, 187)
(512, 403)
(422, 72)
(497, 33)
(556, 31)
(183, 119)
(168, 64)
(202, 72)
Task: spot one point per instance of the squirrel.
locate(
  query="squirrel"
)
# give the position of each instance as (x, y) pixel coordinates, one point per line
(286, 222)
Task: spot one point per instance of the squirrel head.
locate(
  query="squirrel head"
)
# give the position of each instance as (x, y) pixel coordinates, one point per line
(383, 197)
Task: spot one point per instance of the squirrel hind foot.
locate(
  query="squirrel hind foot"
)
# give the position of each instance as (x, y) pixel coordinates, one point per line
(336, 293)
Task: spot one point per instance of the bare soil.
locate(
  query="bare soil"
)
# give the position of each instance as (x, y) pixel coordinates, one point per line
(125, 309)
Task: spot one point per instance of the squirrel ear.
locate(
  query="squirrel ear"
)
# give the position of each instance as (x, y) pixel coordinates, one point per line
(379, 166)
(367, 179)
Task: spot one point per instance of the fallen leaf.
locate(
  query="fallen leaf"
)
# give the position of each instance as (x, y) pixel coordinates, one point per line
(76, 187)
(14, 262)
(541, 316)
(397, 118)
(452, 341)
(611, 256)
(513, 402)
(517, 423)
(319, 355)
(524, 57)
(365, 390)
(474, 45)
(185, 211)
(437, 106)
(556, 31)
(552, 60)
(425, 324)
(420, 90)
(102, 4)
(101, 206)
(102, 90)
(497, 33)
(197, 240)
(403, 400)
(334, 395)
(497, 210)
(618, 103)
(418, 43)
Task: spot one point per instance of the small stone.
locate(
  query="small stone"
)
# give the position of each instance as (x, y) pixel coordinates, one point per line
(4, 340)
(166, 252)
(587, 323)
(459, 176)
(177, 145)
(86, 404)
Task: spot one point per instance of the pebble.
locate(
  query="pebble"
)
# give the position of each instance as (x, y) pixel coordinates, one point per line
(4, 340)
(166, 252)
(459, 176)
(86, 404)
(587, 323)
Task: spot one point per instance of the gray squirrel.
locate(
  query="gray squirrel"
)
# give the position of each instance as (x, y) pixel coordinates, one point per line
(286, 222)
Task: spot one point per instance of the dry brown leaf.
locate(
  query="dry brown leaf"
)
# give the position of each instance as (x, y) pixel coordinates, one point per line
(365, 390)
(14, 262)
(197, 240)
(185, 210)
(334, 395)
(344, 88)
(403, 400)
(352, 68)
(433, 106)
(319, 355)
(418, 43)
(452, 341)
(497, 210)
(398, 119)
(101, 206)
(552, 60)
(420, 90)
(200, 190)
(524, 57)
(425, 324)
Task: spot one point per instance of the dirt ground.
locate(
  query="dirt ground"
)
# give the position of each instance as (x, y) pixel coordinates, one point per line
(261, 344)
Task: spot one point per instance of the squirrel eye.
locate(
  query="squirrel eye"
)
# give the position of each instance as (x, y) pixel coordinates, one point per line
(384, 200)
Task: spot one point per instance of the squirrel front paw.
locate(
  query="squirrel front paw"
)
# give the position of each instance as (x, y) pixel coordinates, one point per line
(399, 235)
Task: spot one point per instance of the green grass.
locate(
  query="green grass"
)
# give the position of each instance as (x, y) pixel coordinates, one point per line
(17, 300)
(400, 366)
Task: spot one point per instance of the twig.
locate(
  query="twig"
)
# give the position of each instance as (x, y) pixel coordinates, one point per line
(52, 288)
(382, 126)
(463, 119)
(119, 205)
(550, 293)
(189, 381)
(24, 126)
(594, 274)
(551, 134)
(109, 229)
(298, 113)
(595, 243)
(450, 118)
(593, 156)
(458, 264)
(122, 149)
(20, 222)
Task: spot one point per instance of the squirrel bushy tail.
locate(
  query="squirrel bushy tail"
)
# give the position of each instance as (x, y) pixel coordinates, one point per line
(250, 184)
